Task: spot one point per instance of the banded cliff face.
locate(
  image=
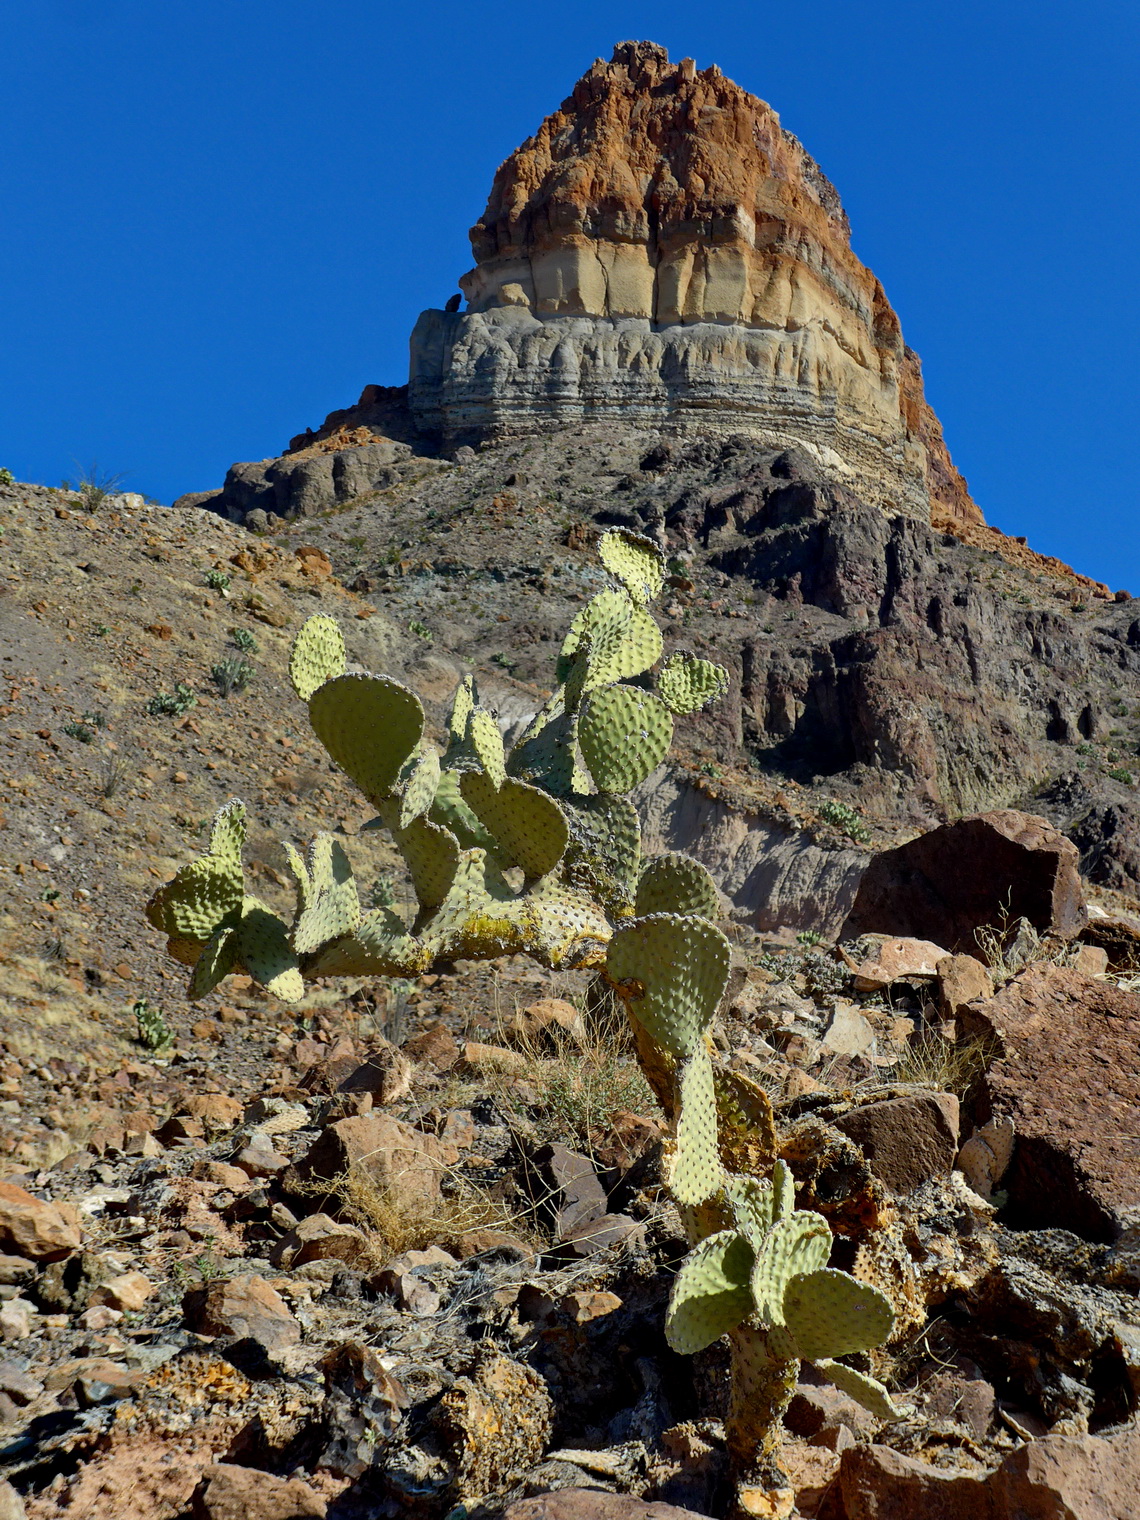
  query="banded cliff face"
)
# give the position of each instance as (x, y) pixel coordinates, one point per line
(663, 249)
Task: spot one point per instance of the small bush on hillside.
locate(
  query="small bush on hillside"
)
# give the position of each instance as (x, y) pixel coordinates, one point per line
(217, 580)
(231, 675)
(846, 818)
(173, 704)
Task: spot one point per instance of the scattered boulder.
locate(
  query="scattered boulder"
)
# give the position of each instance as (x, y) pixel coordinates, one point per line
(897, 960)
(319, 1238)
(906, 1140)
(569, 1191)
(127, 1292)
(1054, 1478)
(593, 1236)
(245, 1493)
(850, 1032)
(1067, 1078)
(389, 1152)
(245, 1306)
(982, 871)
(31, 1227)
(962, 979)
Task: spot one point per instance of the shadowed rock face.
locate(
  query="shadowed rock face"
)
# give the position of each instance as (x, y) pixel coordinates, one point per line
(663, 249)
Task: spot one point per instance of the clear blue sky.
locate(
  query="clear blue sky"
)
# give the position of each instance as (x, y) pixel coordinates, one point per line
(219, 220)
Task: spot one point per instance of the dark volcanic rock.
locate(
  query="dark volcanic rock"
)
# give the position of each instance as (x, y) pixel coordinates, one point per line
(906, 1140)
(1068, 1079)
(983, 871)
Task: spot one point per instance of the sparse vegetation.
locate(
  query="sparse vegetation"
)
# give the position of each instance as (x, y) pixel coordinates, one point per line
(7, 478)
(844, 817)
(153, 1031)
(231, 675)
(244, 640)
(421, 630)
(80, 731)
(172, 704)
(217, 580)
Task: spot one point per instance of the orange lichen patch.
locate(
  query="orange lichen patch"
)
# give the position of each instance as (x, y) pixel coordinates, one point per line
(1015, 552)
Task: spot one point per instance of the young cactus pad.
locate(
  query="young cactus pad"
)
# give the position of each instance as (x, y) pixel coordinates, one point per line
(555, 809)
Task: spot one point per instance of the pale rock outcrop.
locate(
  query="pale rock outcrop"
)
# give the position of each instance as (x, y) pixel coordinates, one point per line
(662, 249)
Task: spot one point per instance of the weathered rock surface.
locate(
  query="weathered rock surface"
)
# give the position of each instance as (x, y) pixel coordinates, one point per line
(31, 1227)
(592, 1504)
(228, 1492)
(246, 1306)
(981, 872)
(1054, 1478)
(1067, 1078)
(662, 248)
(906, 1140)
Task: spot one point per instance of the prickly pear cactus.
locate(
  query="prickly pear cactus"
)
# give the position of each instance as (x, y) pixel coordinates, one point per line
(556, 809)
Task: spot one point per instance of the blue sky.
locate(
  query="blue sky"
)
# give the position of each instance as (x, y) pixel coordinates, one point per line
(219, 221)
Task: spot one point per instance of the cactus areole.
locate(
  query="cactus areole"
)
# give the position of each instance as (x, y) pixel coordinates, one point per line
(556, 808)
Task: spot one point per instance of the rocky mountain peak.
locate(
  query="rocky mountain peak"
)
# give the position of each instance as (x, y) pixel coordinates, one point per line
(663, 249)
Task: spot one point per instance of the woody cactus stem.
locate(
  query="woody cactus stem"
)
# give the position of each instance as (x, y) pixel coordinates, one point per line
(556, 808)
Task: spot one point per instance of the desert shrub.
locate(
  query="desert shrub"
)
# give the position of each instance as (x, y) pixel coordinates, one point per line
(173, 704)
(231, 675)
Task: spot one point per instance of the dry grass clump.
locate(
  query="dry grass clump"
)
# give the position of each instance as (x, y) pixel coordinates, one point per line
(396, 1219)
(1008, 948)
(944, 1065)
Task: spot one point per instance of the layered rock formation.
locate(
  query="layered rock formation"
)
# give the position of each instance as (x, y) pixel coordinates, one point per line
(660, 250)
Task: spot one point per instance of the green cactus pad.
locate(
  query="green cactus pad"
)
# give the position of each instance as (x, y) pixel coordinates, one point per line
(545, 755)
(431, 854)
(379, 946)
(680, 965)
(461, 707)
(696, 1174)
(747, 1125)
(710, 1293)
(195, 903)
(751, 1204)
(485, 739)
(624, 736)
(636, 561)
(863, 1388)
(798, 1244)
(300, 873)
(422, 785)
(449, 810)
(676, 884)
(264, 950)
(783, 1189)
(217, 960)
(527, 825)
(607, 835)
(333, 907)
(318, 656)
(831, 1314)
(686, 684)
(369, 725)
(227, 835)
(609, 640)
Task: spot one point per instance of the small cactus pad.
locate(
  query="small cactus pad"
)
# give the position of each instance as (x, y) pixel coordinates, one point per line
(422, 785)
(301, 874)
(747, 1125)
(602, 625)
(607, 832)
(710, 1293)
(861, 1387)
(431, 854)
(624, 736)
(216, 961)
(461, 707)
(801, 1243)
(485, 739)
(227, 834)
(831, 1314)
(370, 725)
(318, 656)
(195, 903)
(676, 884)
(783, 1189)
(449, 810)
(696, 1174)
(545, 754)
(686, 684)
(680, 965)
(527, 825)
(750, 1201)
(333, 907)
(379, 946)
(264, 950)
(636, 561)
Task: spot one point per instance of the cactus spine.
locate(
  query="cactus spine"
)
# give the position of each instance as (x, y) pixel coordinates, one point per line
(557, 808)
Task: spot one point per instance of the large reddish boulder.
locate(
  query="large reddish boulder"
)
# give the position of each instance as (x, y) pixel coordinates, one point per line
(1067, 1076)
(987, 870)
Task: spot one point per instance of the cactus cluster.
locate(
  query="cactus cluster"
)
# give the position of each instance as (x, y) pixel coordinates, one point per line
(555, 810)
